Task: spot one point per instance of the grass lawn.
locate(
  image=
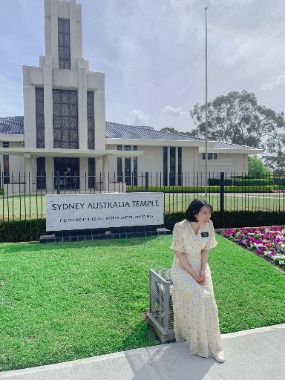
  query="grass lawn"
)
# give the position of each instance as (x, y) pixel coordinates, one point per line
(61, 302)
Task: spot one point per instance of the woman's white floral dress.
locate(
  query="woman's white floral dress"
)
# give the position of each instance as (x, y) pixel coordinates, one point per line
(195, 311)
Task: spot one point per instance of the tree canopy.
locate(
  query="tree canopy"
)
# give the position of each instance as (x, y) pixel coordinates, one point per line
(256, 167)
(237, 118)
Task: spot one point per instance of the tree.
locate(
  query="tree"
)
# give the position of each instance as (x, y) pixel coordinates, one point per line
(237, 118)
(257, 168)
(169, 130)
(173, 130)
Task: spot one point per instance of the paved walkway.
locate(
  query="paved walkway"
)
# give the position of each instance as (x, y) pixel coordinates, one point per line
(250, 355)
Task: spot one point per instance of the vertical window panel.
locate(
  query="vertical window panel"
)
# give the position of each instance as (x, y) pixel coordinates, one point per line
(91, 173)
(90, 120)
(65, 124)
(41, 173)
(6, 171)
(119, 166)
(179, 166)
(135, 168)
(172, 165)
(40, 119)
(165, 166)
(64, 43)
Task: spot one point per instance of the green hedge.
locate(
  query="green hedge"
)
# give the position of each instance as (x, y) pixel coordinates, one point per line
(168, 189)
(22, 230)
(245, 181)
(279, 181)
(242, 189)
(1, 191)
(234, 219)
(201, 189)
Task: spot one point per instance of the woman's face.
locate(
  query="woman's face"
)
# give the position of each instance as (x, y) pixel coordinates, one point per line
(204, 215)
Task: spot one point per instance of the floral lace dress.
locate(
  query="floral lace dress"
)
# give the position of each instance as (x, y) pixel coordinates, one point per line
(195, 310)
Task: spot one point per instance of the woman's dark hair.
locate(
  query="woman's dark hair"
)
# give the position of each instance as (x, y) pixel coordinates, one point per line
(194, 209)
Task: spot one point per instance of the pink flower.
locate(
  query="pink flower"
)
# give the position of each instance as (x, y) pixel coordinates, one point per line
(267, 241)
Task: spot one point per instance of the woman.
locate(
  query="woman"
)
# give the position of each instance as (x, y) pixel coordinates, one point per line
(195, 310)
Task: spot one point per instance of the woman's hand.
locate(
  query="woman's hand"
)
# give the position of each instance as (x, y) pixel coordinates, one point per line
(197, 277)
(203, 277)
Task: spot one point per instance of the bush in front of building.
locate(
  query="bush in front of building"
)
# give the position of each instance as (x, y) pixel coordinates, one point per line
(246, 181)
(22, 230)
(234, 219)
(201, 189)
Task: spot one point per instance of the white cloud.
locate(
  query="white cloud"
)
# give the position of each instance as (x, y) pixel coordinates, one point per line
(175, 112)
(273, 83)
(137, 117)
(173, 117)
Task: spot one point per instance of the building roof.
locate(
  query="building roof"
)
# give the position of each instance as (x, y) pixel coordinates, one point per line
(130, 132)
(14, 125)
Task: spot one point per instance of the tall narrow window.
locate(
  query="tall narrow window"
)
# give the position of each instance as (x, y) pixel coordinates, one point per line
(135, 168)
(41, 173)
(90, 119)
(128, 167)
(64, 43)
(119, 166)
(65, 119)
(6, 164)
(172, 165)
(179, 166)
(165, 166)
(91, 173)
(40, 120)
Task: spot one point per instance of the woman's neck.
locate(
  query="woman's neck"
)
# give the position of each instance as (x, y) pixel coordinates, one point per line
(195, 226)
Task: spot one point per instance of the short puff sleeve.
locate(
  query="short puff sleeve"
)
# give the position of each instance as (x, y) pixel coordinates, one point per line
(212, 242)
(177, 240)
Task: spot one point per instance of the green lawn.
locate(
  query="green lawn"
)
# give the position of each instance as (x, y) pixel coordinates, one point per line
(67, 301)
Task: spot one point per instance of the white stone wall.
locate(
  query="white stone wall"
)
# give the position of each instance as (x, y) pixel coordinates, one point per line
(190, 157)
(236, 164)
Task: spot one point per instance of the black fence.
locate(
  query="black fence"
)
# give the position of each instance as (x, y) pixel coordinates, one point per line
(22, 197)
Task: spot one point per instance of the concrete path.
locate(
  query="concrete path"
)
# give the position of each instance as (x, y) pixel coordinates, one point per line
(250, 355)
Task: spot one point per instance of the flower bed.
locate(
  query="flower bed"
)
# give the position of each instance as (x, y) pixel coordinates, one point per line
(268, 242)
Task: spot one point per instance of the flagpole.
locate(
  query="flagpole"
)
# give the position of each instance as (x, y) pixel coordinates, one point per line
(206, 104)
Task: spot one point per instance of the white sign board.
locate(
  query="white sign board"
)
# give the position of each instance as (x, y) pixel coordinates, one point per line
(90, 211)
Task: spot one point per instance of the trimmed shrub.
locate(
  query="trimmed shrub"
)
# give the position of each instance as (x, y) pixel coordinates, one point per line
(217, 181)
(22, 230)
(200, 189)
(234, 219)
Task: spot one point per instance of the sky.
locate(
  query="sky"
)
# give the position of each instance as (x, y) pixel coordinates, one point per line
(153, 54)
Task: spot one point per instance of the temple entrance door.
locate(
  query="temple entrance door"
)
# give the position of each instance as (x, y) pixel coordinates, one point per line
(67, 170)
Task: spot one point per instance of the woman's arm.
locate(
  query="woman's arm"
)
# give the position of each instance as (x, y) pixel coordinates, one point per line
(188, 267)
(205, 255)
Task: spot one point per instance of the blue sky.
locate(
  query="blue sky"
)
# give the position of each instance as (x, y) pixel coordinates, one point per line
(152, 53)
